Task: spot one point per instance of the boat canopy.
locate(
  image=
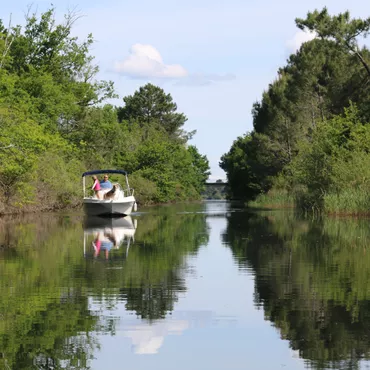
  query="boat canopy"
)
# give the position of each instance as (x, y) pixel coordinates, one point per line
(97, 172)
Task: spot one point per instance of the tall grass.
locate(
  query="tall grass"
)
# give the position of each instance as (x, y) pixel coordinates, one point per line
(274, 199)
(348, 201)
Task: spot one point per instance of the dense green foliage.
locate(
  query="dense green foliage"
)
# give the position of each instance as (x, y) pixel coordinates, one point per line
(311, 126)
(311, 279)
(54, 124)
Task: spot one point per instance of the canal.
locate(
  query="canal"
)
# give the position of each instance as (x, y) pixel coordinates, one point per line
(196, 286)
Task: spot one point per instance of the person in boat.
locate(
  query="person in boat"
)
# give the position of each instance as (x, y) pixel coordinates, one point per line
(105, 183)
(96, 187)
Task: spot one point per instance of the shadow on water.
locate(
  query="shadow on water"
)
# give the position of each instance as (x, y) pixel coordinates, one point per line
(53, 277)
(312, 280)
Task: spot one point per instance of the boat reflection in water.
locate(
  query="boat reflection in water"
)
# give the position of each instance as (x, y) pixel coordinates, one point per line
(103, 235)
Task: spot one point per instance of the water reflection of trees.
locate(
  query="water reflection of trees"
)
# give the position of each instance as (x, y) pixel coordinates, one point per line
(312, 279)
(153, 303)
(40, 318)
(151, 277)
(45, 317)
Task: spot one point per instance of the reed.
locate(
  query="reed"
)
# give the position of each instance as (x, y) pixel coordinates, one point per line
(273, 199)
(348, 201)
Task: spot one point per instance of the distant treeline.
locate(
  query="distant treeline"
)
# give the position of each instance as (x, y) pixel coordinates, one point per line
(54, 124)
(311, 134)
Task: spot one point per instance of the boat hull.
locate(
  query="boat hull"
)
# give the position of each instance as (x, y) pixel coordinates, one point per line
(97, 207)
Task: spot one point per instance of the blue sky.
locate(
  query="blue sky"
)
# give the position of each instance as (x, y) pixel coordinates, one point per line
(215, 57)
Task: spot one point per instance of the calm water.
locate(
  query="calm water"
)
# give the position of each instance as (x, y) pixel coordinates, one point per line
(198, 287)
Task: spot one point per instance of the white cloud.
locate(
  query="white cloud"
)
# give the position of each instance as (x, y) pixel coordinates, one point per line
(145, 61)
(299, 38)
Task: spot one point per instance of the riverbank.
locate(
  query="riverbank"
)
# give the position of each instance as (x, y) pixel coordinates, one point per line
(8, 210)
(55, 125)
(354, 203)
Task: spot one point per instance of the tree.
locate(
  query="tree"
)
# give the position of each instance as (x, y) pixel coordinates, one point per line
(54, 70)
(341, 28)
(28, 142)
(316, 85)
(150, 105)
(200, 166)
(335, 162)
(53, 125)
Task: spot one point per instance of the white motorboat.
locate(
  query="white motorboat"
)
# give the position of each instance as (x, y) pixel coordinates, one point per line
(120, 202)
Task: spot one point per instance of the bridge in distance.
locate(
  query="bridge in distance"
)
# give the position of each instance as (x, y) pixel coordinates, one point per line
(220, 184)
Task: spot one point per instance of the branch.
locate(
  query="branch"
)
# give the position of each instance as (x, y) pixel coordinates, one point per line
(72, 17)
(7, 46)
(7, 147)
(360, 57)
(7, 33)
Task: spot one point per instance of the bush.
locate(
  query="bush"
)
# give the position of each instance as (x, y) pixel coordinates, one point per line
(146, 191)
